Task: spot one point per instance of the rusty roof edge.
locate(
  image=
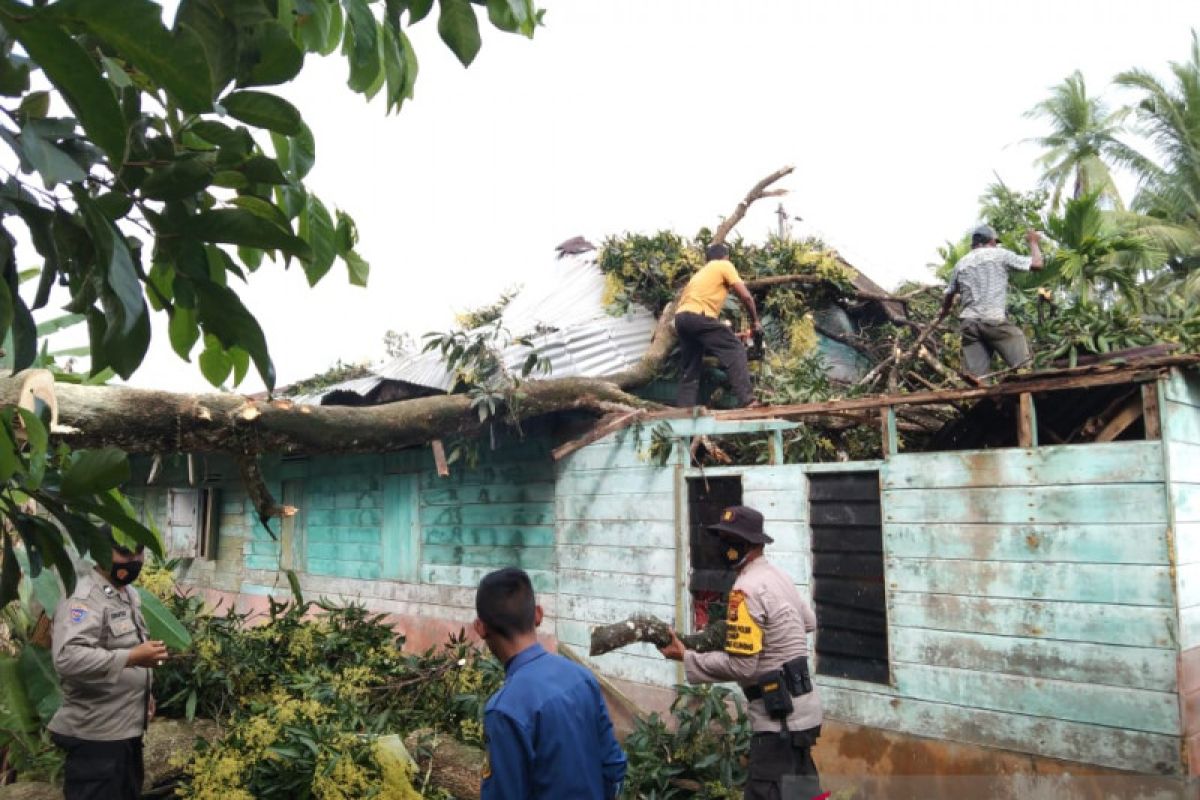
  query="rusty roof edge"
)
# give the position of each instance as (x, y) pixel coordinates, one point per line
(1102, 374)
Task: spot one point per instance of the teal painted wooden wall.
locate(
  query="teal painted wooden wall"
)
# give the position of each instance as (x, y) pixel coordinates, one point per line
(616, 549)
(1181, 430)
(1030, 604)
(1030, 597)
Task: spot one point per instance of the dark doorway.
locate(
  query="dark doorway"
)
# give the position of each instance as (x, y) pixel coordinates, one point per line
(711, 577)
(848, 589)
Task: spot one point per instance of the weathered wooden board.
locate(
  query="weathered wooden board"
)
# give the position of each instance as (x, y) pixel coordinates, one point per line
(1123, 584)
(606, 456)
(617, 586)
(1182, 423)
(655, 505)
(1185, 497)
(338, 550)
(782, 478)
(345, 568)
(790, 536)
(1093, 744)
(651, 533)
(506, 474)
(1187, 583)
(344, 517)
(1183, 387)
(487, 515)
(602, 611)
(490, 556)
(1189, 627)
(657, 561)
(1134, 626)
(629, 480)
(1185, 461)
(1114, 462)
(1118, 707)
(489, 494)
(782, 504)
(490, 535)
(1095, 664)
(1099, 544)
(470, 576)
(1114, 503)
(1187, 543)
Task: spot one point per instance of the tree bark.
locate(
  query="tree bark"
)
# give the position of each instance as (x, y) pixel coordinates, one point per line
(451, 765)
(648, 628)
(757, 192)
(151, 421)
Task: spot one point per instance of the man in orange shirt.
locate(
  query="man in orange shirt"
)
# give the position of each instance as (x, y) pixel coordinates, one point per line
(700, 329)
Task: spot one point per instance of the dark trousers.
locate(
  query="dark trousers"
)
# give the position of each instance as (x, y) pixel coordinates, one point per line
(698, 335)
(101, 770)
(980, 339)
(782, 767)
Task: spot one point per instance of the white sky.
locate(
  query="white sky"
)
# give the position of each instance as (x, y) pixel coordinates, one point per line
(630, 115)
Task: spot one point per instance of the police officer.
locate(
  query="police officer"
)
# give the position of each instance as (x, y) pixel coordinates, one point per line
(766, 653)
(103, 656)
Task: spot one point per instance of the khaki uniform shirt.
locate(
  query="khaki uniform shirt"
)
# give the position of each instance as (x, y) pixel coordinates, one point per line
(94, 630)
(769, 624)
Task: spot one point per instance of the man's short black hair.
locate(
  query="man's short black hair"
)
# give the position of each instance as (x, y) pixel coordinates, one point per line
(505, 602)
(716, 252)
(107, 530)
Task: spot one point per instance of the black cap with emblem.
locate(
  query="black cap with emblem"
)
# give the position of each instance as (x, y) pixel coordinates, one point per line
(743, 522)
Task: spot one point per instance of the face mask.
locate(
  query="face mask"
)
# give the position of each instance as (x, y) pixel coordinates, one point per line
(735, 553)
(124, 574)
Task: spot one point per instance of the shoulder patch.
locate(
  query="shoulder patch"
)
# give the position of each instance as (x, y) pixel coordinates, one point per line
(743, 636)
(79, 613)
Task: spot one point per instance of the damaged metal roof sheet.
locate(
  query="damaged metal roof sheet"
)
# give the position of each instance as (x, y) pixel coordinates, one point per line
(561, 308)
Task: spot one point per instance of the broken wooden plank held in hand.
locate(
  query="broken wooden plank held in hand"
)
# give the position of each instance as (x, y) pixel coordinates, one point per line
(648, 628)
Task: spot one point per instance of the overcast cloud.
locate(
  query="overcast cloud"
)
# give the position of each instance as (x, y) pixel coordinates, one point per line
(632, 115)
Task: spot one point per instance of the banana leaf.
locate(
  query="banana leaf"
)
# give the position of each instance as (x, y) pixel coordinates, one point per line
(162, 623)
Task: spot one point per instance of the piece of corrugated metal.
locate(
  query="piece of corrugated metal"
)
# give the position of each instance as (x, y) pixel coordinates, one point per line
(564, 299)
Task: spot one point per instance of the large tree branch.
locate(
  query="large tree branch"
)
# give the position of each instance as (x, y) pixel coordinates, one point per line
(150, 421)
(757, 193)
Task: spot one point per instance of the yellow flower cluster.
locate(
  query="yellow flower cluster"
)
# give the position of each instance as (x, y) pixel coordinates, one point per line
(613, 287)
(208, 651)
(337, 776)
(217, 775)
(802, 336)
(158, 580)
(352, 684)
(303, 643)
(472, 731)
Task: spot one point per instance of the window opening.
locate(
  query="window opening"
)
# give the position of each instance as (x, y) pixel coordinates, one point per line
(711, 578)
(192, 521)
(848, 572)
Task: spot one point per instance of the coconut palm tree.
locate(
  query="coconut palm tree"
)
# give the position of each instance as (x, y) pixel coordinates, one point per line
(1083, 139)
(1169, 188)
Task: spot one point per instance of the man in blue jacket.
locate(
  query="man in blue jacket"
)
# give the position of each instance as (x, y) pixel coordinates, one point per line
(547, 730)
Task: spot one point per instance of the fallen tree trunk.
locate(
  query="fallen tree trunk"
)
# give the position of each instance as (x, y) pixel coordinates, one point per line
(150, 421)
(648, 628)
(445, 763)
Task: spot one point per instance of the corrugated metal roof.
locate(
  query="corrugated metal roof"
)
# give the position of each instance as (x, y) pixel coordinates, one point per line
(565, 298)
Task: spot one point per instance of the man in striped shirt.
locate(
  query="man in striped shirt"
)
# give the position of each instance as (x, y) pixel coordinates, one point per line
(980, 280)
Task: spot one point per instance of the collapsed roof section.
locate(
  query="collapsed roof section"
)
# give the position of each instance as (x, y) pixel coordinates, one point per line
(560, 308)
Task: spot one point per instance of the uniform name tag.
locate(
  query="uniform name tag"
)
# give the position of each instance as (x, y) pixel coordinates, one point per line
(120, 627)
(743, 637)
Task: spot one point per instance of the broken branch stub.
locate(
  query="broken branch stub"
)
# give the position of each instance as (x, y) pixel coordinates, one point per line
(648, 628)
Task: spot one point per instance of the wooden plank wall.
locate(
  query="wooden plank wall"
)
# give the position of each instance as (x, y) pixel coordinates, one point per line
(1181, 436)
(1031, 604)
(616, 549)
